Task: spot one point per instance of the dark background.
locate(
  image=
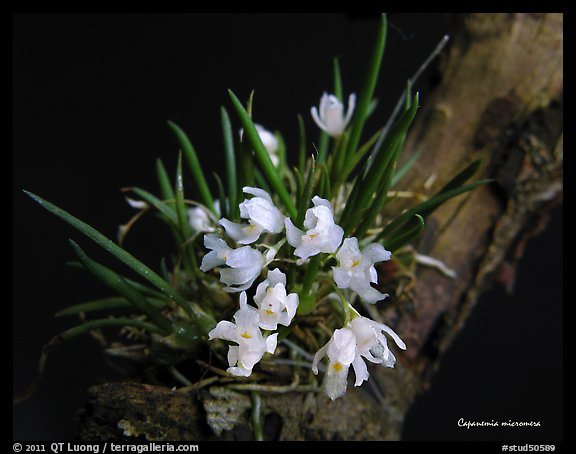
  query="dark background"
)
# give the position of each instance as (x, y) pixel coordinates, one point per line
(91, 93)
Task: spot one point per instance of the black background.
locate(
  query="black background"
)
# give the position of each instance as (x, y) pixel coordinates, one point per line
(91, 93)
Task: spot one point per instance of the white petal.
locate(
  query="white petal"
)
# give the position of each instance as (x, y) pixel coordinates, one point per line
(341, 277)
(239, 371)
(333, 239)
(324, 103)
(335, 382)
(271, 342)
(276, 276)
(215, 243)
(257, 192)
(342, 346)
(370, 294)
(232, 355)
(211, 260)
(265, 214)
(319, 201)
(244, 257)
(317, 119)
(318, 356)
(349, 250)
(239, 276)
(293, 234)
(376, 252)
(138, 204)
(360, 370)
(292, 302)
(351, 106)
(224, 330)
(391, 333)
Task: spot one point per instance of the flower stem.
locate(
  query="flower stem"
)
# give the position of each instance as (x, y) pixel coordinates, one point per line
(256, 416)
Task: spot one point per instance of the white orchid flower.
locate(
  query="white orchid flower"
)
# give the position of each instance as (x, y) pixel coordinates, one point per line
(246, 333)
(356, 268)
(262, 215)
(341, 351)
(361, 338)
(331, 117)
(372, 345)
(322, 234)
(274, 305)
(244, 264)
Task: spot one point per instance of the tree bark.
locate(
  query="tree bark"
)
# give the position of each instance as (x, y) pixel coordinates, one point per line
(498, 97)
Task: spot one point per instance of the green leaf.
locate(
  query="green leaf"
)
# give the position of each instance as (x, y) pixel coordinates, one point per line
(367, 92)
(262, 156)
(323, 142)
(123, 288)
(195, 167)
(302, 148)
(370, 182)
(427, 207)
(230, 161)
(184, 223)
(338, 91)
(353, 161)
(306, 197)
(164, 181)
(128, 259)
(105, 304)
(405, 168)
(221, 196)
(105, 323)
(162, 207)
(463, 176)
(411, 232)
(281, 154)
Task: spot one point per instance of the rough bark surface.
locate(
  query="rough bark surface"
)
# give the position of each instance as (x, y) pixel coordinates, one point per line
(499, 97)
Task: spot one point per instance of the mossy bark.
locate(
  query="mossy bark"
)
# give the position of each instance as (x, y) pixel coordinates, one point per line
(498, 97)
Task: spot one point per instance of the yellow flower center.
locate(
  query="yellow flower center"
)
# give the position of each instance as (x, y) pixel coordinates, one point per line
(355, 263)
(245, 335)
(338, 367)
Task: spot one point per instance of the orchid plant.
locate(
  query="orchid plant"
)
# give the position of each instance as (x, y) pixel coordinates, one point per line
(285, 241)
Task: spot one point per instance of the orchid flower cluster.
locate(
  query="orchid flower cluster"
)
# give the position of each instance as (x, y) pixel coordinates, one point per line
(239, 268)
(289, 234)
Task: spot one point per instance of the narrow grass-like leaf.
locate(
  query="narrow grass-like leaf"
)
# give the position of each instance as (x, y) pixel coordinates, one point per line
(162, 207)
(367, 92)
(184, 223)
(411, 232)
(353, 161)
(230, 160)
(164, 181)
(427, 207)
(106, 323)
(381, 195)
(338, 91)
(123, 288)
(195, 167)
(105, 304)
(323, 143)
(126, 258)
(262, 156)
(405, 168)
(463, 176)
(390, 144)
(306, 197)
(261, 181)
(302, 148)
(146, 291)
(221, 197)
(325, 188)
(281, 154)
